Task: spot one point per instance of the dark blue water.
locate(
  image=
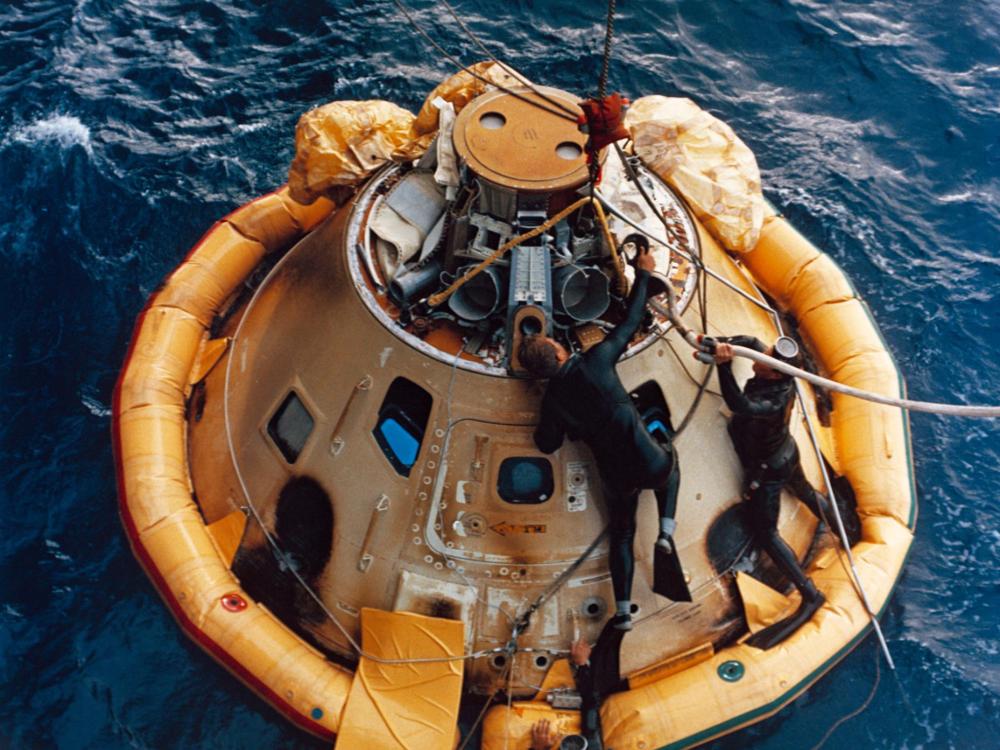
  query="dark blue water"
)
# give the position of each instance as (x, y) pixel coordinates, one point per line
(127, 127)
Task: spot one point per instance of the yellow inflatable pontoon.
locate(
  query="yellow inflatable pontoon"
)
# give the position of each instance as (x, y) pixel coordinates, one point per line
(333, 483)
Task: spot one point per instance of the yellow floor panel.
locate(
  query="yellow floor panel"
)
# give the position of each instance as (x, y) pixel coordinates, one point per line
(412, 706)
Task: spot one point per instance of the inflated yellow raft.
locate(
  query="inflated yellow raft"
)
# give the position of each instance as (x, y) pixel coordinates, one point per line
(188, 564)
(404, 689)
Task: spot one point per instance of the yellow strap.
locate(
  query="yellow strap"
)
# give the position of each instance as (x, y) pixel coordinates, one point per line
(613, 247)
(436, 299)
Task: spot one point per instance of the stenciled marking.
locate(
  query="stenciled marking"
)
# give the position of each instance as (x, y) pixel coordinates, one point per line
(504, 528)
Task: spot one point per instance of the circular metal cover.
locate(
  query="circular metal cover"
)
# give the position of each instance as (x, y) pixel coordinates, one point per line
(732, 670)
(786, 348)
(515, 144)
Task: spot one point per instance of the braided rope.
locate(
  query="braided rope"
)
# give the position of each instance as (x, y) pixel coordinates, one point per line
(602, 83)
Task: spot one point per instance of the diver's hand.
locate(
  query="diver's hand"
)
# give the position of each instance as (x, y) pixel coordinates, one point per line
(542, 736)
(723, 353)
(579, 652)
(645, 261)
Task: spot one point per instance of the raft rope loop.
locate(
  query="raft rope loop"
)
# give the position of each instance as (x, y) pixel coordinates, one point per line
(458, 63)
(857, 711)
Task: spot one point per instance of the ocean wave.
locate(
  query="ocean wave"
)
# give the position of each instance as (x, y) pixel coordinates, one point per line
(95, 407)
(64, 131)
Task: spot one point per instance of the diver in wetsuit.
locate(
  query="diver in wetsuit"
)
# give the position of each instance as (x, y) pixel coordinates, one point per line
(770, 458)
(585, 400)
(544, 735)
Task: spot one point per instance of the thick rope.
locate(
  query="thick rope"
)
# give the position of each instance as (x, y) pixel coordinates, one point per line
(609, 238)
(602, 83)
(955, 410)
(930, 407)
(436, 299)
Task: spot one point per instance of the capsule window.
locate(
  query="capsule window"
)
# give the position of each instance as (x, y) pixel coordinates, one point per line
(525, 480)
(402, 421)
(290, 427)
(652, 407)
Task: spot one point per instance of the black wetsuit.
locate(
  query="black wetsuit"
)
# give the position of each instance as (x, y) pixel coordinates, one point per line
(769, 454)
(597, 679)
(587, 401)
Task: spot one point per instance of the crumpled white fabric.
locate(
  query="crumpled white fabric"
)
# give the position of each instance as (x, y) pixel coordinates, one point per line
(705, 161)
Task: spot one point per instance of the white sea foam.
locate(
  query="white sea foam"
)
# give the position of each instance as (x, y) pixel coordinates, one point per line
(251, 127)
(12, 612)
(95, 407)
(65, 131)
(56, 551)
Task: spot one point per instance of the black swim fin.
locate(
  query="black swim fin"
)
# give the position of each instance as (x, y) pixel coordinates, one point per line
(774, 634)
(668, 575)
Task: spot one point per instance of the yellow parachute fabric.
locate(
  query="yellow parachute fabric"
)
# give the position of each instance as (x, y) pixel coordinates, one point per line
(703, 159)
(339, 144)
(462, 88)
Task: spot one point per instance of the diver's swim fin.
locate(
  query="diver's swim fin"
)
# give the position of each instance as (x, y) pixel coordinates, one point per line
(774, 634)
(668, 575)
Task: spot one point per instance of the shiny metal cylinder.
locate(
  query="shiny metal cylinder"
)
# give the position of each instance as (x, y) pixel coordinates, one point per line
(582, 293)
(412, 285)
(479, 297)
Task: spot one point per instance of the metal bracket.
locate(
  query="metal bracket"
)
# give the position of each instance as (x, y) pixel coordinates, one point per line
(366, 558)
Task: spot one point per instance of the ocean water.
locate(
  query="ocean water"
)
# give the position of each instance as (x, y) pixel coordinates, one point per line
(128, 126)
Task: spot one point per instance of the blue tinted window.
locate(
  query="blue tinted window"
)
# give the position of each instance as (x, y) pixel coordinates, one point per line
(402, 420)
(655, 425)
(400, 442)
(525, 480)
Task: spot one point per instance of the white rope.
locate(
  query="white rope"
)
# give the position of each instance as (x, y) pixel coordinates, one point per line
(956, 410)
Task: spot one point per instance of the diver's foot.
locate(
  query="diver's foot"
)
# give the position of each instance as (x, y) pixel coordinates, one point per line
(852, 525)
(665, 542)
(774, 634)
(622, 621)
(669, 579)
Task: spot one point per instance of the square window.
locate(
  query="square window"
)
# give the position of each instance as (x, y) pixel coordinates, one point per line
(402, 421)
(525, 480)
(290, 427)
